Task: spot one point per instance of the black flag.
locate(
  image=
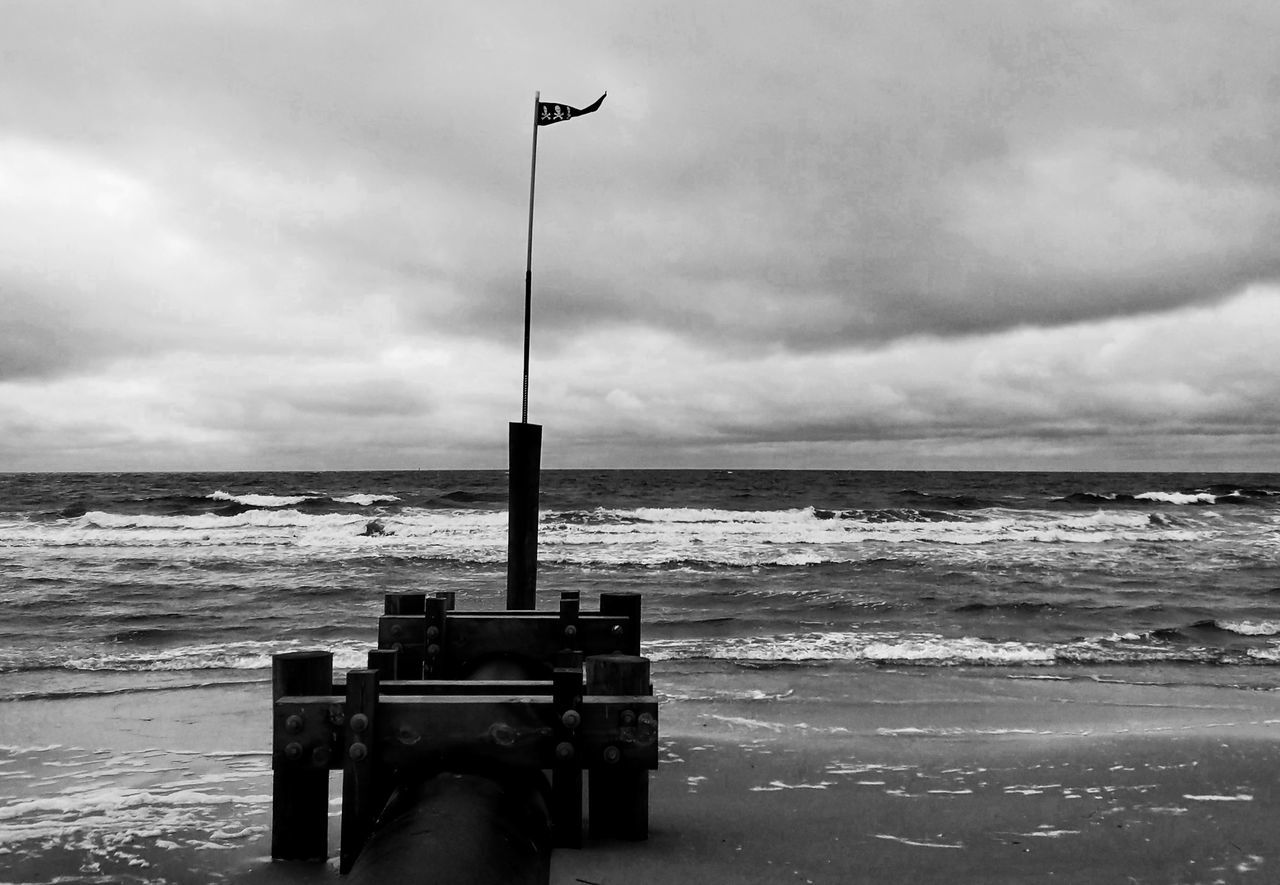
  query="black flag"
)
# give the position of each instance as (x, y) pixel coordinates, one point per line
(549, 113)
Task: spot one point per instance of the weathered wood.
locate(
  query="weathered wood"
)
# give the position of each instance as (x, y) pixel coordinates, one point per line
(406, 635)
(385, 661)
(363, 789)
(404, 603)
(566, 773)
(570, 606)
(433, 687)
(618, 794)
(435, 663)
(525, 444)
(534, 638)
(300, 791)
(624, 605)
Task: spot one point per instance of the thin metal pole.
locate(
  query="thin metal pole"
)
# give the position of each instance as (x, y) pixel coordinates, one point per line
(528, 264)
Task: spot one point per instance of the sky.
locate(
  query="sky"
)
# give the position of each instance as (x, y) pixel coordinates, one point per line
(848, 235)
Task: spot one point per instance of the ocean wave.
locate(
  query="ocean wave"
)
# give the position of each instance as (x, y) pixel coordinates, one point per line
(932, 650)
(241, 655)
(1191, 497)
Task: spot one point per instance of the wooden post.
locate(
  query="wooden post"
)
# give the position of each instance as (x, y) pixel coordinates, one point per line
(363, 792)
(570, 605)
(626, 605)
(435, 664)
(385, 661)
(300, 797)
(618, 797)
(404, 603)
(566, 775)
(522, 526)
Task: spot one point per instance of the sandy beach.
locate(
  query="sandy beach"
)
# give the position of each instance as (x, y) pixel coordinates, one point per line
(871, 775)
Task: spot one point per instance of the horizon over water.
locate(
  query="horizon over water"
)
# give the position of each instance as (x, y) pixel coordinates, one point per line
(121, 584)
(941, 567)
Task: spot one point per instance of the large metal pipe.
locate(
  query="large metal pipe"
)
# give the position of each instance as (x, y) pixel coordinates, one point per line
(463, 826)
(461, 829)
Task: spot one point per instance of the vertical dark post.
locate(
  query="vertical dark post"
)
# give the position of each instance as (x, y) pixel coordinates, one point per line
(528, 265)
(300, 796)
(566, 775)
(436, 664)
(384, 660)
(362, 790)
(570, 602)
(618, 797)
(625, 605)
(406, 640)
(403, 603)
(522, 525)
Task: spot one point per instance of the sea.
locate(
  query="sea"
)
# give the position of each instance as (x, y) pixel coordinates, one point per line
(144, 582)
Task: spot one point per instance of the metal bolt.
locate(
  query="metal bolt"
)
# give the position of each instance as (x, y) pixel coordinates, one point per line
(570, 631)
(320, 756)
(571, 719)
(617, 629)
(564, 751)
(337, 716)
(358, 752)
(612, 755)
(502, 734)
(293, 751)
(359, 723)
(647, 720)
(433, 650)
(396, 631)
(433, 632)
(293, 724)
(628, 717)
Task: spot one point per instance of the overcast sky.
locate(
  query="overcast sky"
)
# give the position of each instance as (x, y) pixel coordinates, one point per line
(276, 235)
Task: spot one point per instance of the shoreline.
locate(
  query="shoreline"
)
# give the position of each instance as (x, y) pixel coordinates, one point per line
(808, 776)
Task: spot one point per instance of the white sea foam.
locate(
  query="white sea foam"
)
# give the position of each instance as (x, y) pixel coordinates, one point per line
(1178, 497)
(366, 500)
(918, 843)
(1238, 797)
(261, 500)
(1251, 628)
(873, 647)
(350, 654)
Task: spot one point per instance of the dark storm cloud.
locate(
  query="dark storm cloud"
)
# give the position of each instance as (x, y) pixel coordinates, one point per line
(186, 188)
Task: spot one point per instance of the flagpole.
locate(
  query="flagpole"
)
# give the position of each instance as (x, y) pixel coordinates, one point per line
(528, 263)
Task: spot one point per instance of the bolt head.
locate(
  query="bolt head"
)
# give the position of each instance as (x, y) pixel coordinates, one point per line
(293, 751)
(571, 719)
(433, 632)
(358, 752)
(359, 723)
(320, 756)
(397, 631)
(433, 650)
(502, 734)
(628, 717)
(293, 724)
(564, 751)
(570, 631)
(612, 755)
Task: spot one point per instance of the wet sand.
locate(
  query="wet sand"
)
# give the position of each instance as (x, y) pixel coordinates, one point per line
(869, 776)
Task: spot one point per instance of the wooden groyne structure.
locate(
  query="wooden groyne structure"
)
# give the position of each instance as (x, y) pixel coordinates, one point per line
(469, 734)
(522, 702)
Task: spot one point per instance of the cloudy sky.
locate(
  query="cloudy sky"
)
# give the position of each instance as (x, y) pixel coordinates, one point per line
(262, 235)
